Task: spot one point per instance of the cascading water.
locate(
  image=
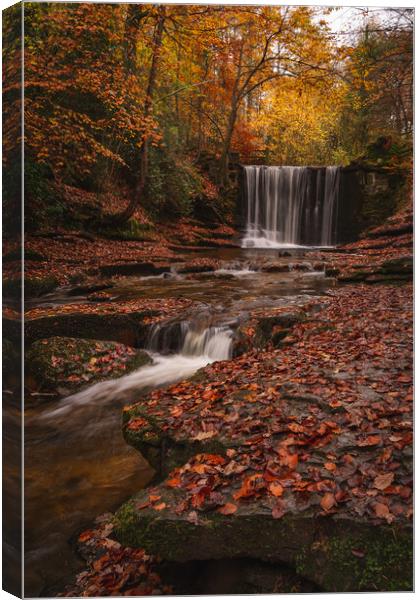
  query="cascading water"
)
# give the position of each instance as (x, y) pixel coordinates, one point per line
(291, 206)
(195, 345)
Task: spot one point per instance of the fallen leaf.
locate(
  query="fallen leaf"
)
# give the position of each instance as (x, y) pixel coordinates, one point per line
(276, 489)
(228, 509)
(328, 501)
(383, 481)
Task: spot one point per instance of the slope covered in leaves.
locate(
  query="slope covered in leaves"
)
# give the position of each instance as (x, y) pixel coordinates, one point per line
(325, 422)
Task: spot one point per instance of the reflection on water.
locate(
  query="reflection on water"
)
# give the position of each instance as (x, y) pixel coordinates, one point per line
(77, 464)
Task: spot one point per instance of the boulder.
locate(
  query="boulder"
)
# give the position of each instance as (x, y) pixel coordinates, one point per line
(337, 553)
(126, 322)
(33, 286)
(73, 363)
(275, 328)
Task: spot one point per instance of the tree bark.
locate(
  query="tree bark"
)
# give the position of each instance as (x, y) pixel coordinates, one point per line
(143, 154)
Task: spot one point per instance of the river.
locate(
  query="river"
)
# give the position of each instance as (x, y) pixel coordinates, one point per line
(77, 464)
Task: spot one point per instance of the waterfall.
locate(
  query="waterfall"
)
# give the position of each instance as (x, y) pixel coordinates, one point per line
(191, 339)
(198, 346)
(291, 206)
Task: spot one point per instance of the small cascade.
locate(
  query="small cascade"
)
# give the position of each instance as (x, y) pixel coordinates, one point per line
(178, 350)
(191, 339)
(291, 206)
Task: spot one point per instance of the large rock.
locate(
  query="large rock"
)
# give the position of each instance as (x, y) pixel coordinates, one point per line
(398, 269)
(125, 322)
(339, 554)
(63, 364)
(143, 268)
(301, 455)
(33, 286)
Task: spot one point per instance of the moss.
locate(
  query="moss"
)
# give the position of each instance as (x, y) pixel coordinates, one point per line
(29, 255)
(75, 363)
(132, 230)
(381, 561)
(33, 286)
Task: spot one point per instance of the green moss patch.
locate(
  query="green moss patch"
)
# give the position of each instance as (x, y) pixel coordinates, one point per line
(72, 363)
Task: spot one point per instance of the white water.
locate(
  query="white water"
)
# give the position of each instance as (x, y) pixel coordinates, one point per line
(291, 207)
(199, 349)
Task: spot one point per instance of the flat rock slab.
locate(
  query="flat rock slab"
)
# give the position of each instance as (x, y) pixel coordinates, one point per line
(125, 322)
(142, 268)
(71, 364)
(338, 554)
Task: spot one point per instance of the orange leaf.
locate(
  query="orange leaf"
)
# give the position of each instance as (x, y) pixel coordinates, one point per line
(228, 509)
(276, 489)
(328, 501)
(382, 511)
(383, 481)
(330, 466)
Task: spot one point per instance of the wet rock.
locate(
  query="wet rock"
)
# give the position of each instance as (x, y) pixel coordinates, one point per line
(395, 269)
(285, 253)
(303, 266)
(195, 268)
(88, 288)
(332, 272)
(71, 364)
(232, 576)
(399, 266)
(126, 322)
(124, 328)
(337, 553)
(34, 286)
(275, 268)
(143, 268)
(275, 328)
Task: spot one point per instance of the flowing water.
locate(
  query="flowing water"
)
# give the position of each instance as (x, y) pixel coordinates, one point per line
(291, 207)
(77, 464)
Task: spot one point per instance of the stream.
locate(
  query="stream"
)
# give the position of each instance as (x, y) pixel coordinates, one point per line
(77, 464)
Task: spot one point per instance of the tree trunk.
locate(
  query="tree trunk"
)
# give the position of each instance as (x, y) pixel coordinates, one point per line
(234, 106)
(224, 158)
(143, 155)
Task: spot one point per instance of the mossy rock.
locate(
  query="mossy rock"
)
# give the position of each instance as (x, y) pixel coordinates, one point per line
(275, 328)
(73, 363)
(162, 451)
(127, 328)
(33, 286)
(338, 554)
(400, 266)
(332, 272)
(142, 268)
(29, 255)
